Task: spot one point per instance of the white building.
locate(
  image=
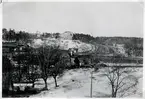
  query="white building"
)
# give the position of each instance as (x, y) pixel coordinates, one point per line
(67, 35)
(120, 48)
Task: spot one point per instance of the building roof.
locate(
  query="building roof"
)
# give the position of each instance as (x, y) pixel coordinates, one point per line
(82, 54)
(9, 44)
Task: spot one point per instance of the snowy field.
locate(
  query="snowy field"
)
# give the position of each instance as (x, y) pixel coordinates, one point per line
(76, 83)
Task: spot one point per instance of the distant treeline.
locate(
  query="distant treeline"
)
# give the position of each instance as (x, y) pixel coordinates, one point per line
(107, 40)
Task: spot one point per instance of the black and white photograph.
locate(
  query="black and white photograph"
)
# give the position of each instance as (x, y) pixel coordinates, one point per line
(72, 49)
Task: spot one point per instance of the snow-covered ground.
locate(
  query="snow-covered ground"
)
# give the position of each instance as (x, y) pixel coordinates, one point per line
(123, 64)
(76, 83)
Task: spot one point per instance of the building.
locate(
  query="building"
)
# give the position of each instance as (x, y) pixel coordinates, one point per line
(7, 52)
(9, 49)
(84, 58)
(67, 35)
(120, 49)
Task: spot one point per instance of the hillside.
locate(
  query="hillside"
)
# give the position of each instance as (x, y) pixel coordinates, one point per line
(81, 46)
(133, 46)
(64, 44)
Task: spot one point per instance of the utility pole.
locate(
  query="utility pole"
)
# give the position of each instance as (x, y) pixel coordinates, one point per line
(91, 84)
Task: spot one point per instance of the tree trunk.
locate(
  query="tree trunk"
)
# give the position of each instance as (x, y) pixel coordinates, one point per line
(12, 85)
(113, 93)
(45, 80)
(55, 82)
(70, 62)
(114, 96)
(33, 85)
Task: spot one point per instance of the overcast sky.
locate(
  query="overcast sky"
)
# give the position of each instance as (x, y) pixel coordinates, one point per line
(97, 19)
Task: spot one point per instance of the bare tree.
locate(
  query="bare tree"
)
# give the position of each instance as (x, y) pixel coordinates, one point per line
(59, 62)
(44, 55)
(120, 79)
(33, 69)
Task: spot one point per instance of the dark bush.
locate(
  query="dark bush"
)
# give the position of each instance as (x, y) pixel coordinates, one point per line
(31, 90)
(27, 88)
(103, 65)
